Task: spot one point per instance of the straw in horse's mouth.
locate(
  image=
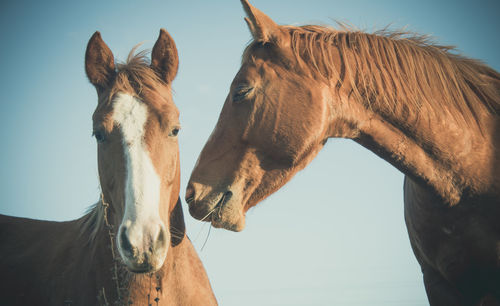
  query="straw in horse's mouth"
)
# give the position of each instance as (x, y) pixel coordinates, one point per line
(225, 197)
(223, 200)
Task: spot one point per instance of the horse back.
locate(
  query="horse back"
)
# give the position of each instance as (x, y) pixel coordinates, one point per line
(27, 258)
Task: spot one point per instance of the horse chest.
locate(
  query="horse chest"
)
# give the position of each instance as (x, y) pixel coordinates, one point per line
(462, 242)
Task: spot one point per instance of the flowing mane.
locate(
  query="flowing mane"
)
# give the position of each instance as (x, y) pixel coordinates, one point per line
(399, 70)
(92, 222)
(136, 77)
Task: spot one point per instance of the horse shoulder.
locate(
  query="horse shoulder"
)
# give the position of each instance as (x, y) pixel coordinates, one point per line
(459, 242)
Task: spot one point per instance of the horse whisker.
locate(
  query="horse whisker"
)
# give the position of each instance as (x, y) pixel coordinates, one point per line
(206, 239)
(209, 213)
(175, 230)
(199, 232)
(203, 227)
(176, 236)
(221, 204)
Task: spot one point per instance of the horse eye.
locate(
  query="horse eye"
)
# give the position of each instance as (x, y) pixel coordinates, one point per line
(174, 132)
(241, 92)
(99, 136)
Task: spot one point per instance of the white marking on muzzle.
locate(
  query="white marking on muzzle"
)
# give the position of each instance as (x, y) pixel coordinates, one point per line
(142, 186)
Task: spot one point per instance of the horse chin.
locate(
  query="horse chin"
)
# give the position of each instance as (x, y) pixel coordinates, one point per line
(144, 267)
(140, 270)
(221, 209)
(237, 226)
(229, 217)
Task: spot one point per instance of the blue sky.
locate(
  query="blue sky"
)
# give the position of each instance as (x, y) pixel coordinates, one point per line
(334, 235)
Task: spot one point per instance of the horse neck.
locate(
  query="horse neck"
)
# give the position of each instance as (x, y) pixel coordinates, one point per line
(450, 157)
(181, 280)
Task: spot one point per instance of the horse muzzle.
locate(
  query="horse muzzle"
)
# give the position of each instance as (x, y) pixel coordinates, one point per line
(221, 208)
(143, 248)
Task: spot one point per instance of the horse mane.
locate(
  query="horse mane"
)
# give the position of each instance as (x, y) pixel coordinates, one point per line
(399, 70)
(135, 76)
(92, 222)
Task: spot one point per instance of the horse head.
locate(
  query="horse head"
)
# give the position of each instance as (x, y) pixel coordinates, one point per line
(135, 125)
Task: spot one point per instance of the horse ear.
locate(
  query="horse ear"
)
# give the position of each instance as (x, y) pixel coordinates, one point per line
(164, 57)
(261, 26)
(99, 62)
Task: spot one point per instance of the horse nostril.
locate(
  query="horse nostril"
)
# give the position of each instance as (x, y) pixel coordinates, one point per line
(227, 195)
(125, 242)
(225, 198)
(189, 194)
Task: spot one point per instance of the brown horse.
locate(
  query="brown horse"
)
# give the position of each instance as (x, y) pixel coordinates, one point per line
(429, 112)
(151, 261)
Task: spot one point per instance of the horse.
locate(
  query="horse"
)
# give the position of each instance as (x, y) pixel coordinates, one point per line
(131, 247)
(430, 112)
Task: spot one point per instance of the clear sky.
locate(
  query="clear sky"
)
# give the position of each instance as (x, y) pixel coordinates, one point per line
(334, 235)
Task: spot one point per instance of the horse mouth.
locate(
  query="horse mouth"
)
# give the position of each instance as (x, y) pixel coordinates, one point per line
(217, 210)
(224, 214)
(213, 213)
(141, 267)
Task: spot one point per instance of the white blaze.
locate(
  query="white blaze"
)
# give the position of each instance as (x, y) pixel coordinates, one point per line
(142, 186)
